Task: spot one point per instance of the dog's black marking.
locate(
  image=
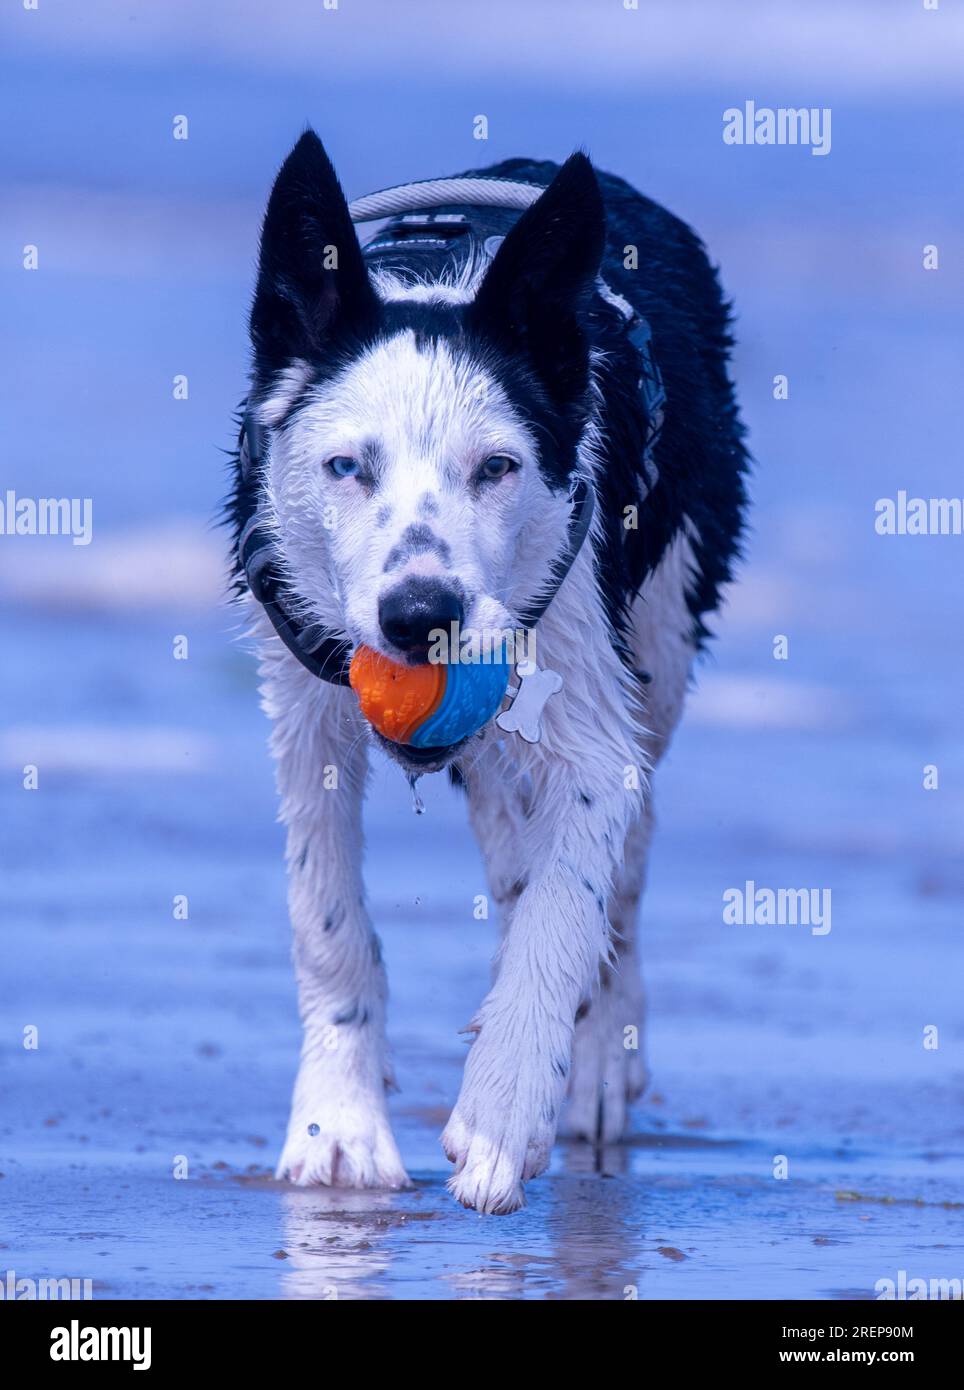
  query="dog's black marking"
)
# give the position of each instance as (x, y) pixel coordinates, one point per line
(372, 457)
(533, 325)
(417, 539)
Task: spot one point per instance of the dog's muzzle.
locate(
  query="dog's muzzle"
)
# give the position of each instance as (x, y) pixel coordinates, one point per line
(419, 760)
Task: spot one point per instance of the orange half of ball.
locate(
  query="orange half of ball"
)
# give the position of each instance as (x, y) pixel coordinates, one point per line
(395, 699)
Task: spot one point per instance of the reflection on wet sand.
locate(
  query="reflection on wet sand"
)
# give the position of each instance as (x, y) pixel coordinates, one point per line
(597, 1226)
(334, 1240)
(594, 1231)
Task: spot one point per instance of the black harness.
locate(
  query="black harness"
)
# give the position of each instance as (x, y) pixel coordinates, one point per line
(435, 236)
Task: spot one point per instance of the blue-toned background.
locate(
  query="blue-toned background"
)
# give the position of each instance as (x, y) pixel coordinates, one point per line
(160, 1037)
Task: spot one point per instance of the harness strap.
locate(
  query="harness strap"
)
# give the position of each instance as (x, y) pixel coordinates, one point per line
(583, 499)
(324, 654)
(328, 656)
(434, 193)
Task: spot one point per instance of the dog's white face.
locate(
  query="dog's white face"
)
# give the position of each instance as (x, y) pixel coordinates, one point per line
(420, 436)
(404, 489)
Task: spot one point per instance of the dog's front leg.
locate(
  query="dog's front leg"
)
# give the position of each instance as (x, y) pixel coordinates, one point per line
(339, 1131)
(504, 1123)
(497, 814)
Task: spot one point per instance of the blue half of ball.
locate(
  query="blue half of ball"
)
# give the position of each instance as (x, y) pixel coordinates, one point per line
(473, 693)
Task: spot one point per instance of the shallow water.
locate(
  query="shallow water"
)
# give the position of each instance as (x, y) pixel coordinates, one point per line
(165, 1042)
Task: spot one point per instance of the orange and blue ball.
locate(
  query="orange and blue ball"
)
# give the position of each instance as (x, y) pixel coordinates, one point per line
(427, 706)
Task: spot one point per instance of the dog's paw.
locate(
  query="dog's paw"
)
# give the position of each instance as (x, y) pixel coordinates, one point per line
(494, 1153)
(606, 1075)
(352, 1148)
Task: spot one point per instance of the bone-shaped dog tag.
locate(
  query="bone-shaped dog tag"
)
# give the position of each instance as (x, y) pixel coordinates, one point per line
(524, 715)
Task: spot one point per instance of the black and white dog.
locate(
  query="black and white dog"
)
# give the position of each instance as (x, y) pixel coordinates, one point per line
(418, 417)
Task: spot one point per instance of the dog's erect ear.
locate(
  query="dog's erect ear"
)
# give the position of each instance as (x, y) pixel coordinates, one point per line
(543, 275)
(312, 281)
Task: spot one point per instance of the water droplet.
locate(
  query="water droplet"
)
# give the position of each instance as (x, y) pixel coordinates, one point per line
(313, 1130)
(418, 805)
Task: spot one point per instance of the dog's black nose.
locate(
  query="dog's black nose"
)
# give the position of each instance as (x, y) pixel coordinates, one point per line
(415, 608)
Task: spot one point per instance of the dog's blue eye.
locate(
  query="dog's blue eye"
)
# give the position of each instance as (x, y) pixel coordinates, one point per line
(343, 467)
(497, 466)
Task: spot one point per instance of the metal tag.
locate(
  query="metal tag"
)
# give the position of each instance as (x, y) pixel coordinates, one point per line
(524, 715)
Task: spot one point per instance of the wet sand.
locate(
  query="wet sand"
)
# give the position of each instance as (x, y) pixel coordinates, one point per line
(165, 1042)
